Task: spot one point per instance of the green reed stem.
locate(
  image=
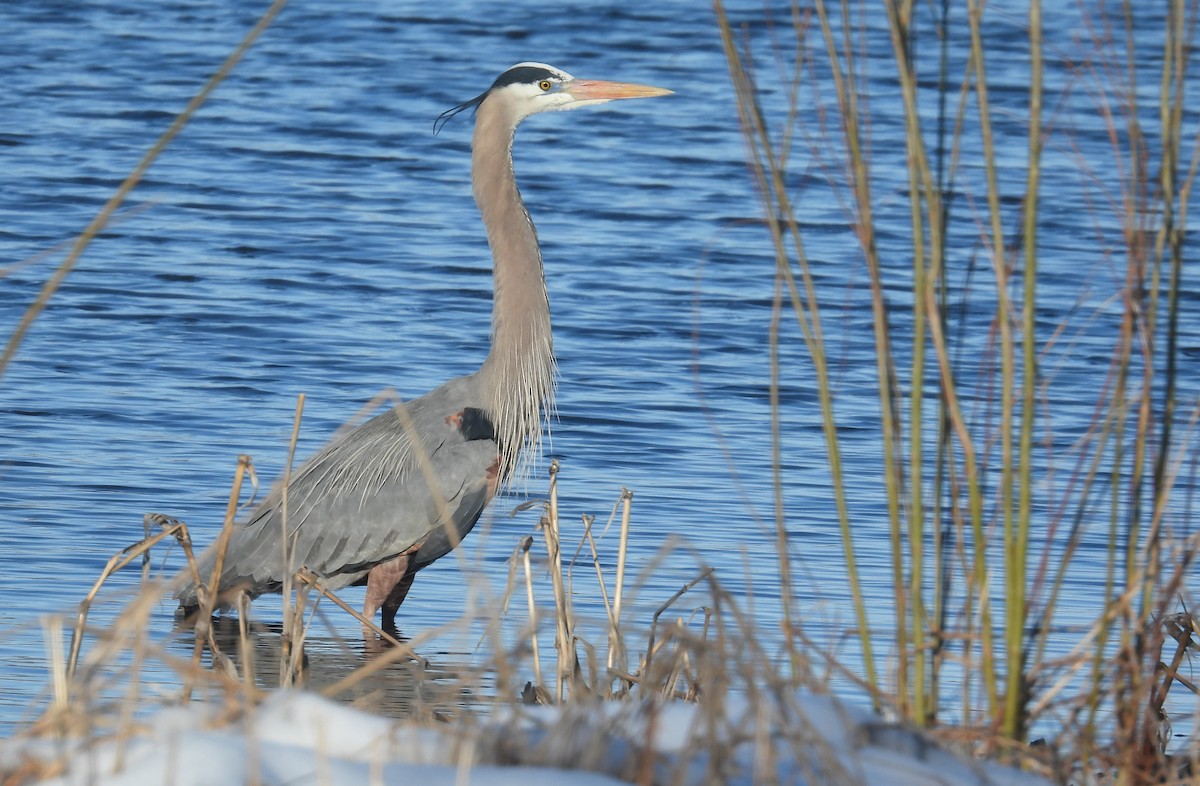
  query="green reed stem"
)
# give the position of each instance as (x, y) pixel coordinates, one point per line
(1171, 111)
(944, 487)
(898, 21)
(999, 265)
(846, 88)
(1017, 542)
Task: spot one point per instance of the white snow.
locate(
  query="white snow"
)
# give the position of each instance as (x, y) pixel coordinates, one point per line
(296, 738)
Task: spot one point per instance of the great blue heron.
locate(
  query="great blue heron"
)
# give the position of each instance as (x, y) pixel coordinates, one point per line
(364, 510)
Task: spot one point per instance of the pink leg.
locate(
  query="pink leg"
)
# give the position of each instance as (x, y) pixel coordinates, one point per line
(381, 581)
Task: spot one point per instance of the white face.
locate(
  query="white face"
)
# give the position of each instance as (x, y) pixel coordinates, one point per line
(538, 87)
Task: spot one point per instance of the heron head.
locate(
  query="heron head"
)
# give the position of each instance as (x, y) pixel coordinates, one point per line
(530, 88)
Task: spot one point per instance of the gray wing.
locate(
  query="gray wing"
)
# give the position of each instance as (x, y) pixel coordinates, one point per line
(364, 498)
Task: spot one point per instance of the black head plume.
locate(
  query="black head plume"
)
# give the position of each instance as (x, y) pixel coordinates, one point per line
(521, 73)
(444, 117)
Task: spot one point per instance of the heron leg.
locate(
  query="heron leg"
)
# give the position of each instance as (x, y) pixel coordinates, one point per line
(382, 580)
(394, 599)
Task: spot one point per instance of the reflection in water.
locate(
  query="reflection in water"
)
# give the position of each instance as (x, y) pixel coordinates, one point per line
(369, 674)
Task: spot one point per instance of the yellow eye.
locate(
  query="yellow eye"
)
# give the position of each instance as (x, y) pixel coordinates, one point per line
(544, 84)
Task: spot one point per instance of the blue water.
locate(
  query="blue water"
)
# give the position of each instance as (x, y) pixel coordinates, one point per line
(308, 234)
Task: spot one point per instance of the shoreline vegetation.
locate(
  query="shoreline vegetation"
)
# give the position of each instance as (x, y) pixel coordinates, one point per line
(984, 533)
(985, 529)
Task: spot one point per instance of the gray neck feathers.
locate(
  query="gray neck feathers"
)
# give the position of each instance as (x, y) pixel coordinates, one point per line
(518, 376)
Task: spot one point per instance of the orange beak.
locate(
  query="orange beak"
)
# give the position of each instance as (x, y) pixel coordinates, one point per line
(594, 90)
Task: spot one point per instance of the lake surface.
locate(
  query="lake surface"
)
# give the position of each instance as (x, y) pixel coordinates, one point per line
(307, 233)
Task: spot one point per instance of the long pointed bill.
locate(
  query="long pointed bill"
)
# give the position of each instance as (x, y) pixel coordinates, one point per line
(594, 90)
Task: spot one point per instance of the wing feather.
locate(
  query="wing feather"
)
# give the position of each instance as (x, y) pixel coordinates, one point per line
(363, 499)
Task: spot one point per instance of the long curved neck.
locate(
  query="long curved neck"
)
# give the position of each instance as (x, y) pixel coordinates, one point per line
(518, 376)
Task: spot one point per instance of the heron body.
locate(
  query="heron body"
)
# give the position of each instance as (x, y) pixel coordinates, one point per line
(374, 508)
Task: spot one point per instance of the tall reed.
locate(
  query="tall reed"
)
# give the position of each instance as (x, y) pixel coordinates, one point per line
(968, 415)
